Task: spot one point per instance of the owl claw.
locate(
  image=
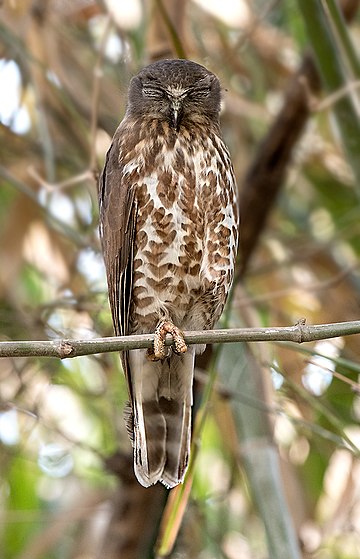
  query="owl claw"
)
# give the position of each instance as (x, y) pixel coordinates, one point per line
(159, 350)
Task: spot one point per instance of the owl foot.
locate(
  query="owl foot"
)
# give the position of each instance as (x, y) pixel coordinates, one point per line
(159, 350)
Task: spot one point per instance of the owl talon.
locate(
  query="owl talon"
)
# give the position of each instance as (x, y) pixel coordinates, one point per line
(159, 350)
(158, 356)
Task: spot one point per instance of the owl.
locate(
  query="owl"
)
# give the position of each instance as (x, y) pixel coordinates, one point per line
(169, 234)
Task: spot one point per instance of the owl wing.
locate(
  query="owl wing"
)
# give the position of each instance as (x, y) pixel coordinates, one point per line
(118, 211)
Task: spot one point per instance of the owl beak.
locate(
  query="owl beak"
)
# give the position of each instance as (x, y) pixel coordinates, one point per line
(176, 113)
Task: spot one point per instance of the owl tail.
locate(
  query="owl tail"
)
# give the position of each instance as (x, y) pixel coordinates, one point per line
(161, 423)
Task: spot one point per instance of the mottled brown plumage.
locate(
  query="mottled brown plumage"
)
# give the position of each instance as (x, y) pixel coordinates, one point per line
(168, 225)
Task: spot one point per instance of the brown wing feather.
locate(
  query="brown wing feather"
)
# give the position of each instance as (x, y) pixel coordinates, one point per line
(118, 210)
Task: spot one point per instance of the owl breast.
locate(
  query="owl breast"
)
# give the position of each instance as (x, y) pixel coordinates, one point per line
(186, 233)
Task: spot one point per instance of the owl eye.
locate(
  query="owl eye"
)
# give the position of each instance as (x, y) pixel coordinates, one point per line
(199, 93)
(152, 92)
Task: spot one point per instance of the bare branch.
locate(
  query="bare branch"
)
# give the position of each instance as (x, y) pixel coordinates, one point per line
(64, 349)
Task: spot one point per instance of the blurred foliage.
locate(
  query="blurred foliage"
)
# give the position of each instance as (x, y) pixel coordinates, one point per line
(64, 71)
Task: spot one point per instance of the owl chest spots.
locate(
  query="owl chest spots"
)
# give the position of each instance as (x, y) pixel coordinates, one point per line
(166, 267)
(179, 209)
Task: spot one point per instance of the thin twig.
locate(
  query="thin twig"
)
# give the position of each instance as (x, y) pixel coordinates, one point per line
(63, 349)
(329, 100)
(53, 221)
(354, 385)
(61, 185)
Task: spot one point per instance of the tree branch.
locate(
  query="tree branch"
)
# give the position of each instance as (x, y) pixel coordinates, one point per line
(64, 349)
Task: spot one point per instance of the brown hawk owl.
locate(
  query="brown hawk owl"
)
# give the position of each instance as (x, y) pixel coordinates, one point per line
(169, 229)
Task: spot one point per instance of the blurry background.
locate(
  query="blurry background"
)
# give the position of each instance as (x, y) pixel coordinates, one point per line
(66, 484)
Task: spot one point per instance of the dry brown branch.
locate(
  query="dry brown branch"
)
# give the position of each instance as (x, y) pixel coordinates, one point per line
(166, 29)
(267, 172)
(268, 169)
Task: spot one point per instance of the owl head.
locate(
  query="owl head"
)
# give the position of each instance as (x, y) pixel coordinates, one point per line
(178, 91)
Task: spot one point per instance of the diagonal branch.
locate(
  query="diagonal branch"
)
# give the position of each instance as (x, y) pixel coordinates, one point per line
(64, 349)
(265, 176)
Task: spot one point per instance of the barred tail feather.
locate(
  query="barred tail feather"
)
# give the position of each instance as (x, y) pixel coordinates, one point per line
(176, 403)
(162, 398)
(148, 423)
